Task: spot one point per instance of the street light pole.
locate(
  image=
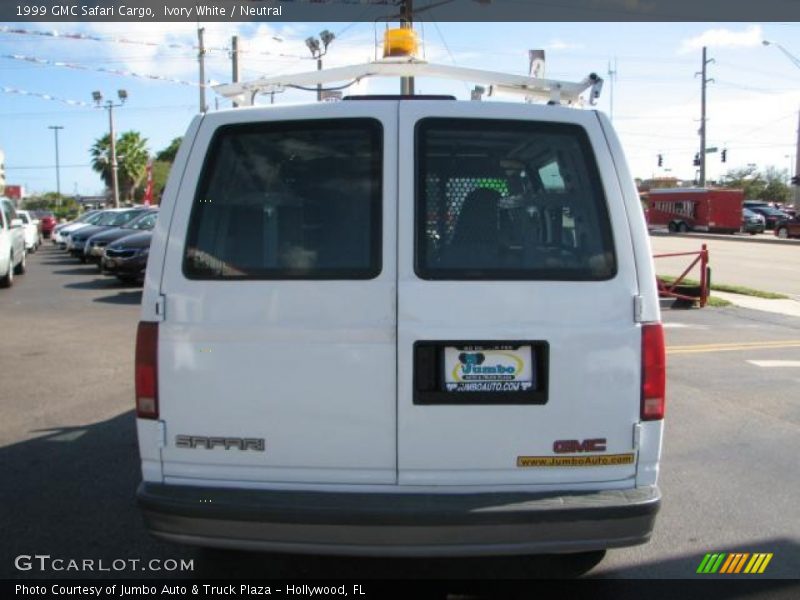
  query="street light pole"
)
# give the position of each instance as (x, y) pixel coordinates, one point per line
(317, 51)
(55, 129)
(789, 55)
(114, 164)
(110, 106)
(796, 63)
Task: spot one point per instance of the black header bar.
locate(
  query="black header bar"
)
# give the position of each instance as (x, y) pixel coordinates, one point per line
(144, 11)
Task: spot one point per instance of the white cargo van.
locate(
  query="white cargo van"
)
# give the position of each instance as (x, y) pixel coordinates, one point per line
(401, 326)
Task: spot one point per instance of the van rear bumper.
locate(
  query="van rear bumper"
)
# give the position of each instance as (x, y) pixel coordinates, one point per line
(404, 524)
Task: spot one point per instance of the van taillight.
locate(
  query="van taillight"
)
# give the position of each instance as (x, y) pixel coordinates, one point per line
(147, 370)
(654, 372)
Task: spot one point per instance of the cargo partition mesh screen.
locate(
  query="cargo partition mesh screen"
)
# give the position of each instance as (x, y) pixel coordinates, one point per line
(509, 200)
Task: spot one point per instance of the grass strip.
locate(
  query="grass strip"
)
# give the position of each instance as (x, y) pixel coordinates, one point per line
(731, 289)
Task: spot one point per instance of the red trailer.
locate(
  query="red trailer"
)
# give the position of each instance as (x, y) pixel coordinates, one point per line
(695, 209)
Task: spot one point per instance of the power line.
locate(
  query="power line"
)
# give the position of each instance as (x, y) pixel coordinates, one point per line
(739, 86)
(91, 114)
(747, 132)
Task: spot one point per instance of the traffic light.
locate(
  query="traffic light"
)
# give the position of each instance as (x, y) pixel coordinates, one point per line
(796, 180)
(660, 160)
(696, 162)
(724, 155)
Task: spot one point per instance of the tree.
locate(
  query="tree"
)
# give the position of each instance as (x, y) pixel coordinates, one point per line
(776, 189)
(160, 173)
(769, 185)
(161, 168)
(132, 158)
(61, 206)
(168, 153)
(744, 178)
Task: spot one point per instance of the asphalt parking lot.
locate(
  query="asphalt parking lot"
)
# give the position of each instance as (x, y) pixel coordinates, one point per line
(69, 465)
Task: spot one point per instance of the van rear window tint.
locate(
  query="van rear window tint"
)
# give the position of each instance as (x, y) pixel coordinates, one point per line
(509, 200)
(289, 200)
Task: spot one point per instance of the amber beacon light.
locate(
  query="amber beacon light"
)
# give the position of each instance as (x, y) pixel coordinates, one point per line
(400, 42)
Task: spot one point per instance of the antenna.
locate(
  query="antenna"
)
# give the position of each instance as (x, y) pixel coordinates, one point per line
(612, 76)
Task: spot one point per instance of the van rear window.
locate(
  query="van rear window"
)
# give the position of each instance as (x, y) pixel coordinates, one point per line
(503, 200)
(289, 200)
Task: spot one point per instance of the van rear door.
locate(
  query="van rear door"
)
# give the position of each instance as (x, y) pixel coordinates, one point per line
(518, 355)
(278, 349)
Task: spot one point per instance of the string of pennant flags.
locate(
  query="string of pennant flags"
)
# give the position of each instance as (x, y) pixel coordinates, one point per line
(106, 70)
(122, 40)
(97, 38)
(19, 92)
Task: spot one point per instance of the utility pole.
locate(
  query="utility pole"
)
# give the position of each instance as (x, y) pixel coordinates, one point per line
(201, 58)
(114, 165)
(55, 129)
(796, 178)
(703, 84)
(235, 62)
(319, 85)
(407, 22)
(110, 106)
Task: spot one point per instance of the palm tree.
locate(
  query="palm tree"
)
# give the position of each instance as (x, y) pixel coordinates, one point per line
(132, 158)
(168, 153)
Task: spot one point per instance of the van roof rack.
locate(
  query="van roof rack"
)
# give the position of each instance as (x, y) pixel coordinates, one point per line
(532, 89)
(399, 97)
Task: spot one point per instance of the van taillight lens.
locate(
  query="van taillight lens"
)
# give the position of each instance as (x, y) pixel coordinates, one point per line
(147, 370)
(654, 372)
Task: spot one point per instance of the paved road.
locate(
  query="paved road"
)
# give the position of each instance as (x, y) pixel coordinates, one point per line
(69, 469)
(773, 267)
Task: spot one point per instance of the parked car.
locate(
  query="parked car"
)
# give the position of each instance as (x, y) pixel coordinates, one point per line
(771, 215)
(62, 231)
(30, 226)
(127, 257)
(752, 222)
(116, 217)
(47, 222)
(788, 228)
(402, 327)
(751, 203)
(97, 243)
(12, 244)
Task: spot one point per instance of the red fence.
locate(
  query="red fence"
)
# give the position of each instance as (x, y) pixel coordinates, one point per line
(679, 289)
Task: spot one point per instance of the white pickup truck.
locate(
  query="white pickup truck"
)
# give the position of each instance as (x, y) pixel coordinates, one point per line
(12, 244)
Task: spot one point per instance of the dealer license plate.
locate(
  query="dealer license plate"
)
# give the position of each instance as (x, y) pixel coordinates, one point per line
(489, 368)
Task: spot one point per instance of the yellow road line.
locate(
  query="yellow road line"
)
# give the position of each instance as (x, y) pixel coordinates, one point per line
(699, 348)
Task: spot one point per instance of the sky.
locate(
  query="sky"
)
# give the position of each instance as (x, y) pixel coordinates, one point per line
(752, 105)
